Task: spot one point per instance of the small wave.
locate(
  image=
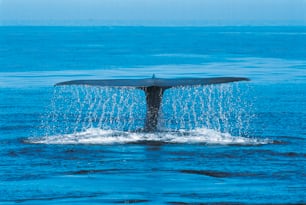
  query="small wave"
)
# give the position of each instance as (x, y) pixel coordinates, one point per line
(220, 174)
(108, 137)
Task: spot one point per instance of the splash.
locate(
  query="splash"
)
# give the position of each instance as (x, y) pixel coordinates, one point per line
(224, 108)
(108, 137)
(203, 114)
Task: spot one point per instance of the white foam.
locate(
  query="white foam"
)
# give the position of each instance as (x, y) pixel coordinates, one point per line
(107, 137)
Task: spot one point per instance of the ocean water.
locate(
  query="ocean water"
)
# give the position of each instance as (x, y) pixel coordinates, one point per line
(237, 143)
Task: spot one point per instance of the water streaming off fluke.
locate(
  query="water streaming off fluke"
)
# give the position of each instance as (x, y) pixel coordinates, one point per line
(212, 114)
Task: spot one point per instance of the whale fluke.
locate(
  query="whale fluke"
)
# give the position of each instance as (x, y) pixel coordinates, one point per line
(149, 82)
(154, 89)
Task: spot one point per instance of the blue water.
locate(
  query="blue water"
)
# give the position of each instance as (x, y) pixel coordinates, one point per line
(239, 143)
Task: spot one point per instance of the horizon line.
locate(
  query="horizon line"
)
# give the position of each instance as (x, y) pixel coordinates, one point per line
(140, 25)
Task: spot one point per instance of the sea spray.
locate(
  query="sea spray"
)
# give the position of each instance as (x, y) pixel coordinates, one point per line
(77, 109)
(226, 108)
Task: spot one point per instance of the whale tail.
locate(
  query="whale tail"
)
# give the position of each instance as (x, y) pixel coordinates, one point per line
(154, 89)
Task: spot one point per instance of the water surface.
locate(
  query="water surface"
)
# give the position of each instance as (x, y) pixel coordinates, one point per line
(240, 143)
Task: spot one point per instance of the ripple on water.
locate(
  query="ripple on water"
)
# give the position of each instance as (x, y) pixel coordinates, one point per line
(219, 174)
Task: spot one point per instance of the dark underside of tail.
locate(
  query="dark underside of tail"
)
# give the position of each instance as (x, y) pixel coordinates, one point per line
(154, 89)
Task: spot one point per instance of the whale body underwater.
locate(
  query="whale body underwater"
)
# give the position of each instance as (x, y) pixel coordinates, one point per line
(154, 89)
